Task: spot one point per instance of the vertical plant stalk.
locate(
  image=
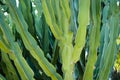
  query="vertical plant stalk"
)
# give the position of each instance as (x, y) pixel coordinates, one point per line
(109, 50)
(65, 44)
(63, 36)
(83, 20)
(66, 49)
(94, 39)
(50, 18)
(109, 47)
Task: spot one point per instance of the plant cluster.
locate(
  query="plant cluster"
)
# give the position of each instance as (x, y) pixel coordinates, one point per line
(58, 39)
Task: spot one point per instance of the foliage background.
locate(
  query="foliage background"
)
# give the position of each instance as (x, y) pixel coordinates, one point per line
(59, 39)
